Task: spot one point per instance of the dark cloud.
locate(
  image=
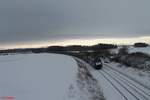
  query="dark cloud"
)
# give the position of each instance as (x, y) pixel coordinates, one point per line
(37, 20)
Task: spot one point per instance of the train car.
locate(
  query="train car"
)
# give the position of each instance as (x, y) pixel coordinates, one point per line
(97, 64)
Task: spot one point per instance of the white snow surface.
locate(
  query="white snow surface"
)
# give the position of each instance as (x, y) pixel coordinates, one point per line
(38, 77)
(140, 49)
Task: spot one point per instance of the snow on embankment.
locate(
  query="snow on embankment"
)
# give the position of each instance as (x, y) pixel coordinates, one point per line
(37, 76)
(87, 83)
(40, 77)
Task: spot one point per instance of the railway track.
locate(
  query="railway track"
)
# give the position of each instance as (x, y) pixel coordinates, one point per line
(122, 94)
(142, 89)
(146, 87)
(128, 88)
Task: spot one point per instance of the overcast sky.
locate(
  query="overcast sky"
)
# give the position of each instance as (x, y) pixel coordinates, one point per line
(40, 20)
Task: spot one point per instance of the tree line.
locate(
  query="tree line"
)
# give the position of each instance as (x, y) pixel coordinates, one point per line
(51, 49)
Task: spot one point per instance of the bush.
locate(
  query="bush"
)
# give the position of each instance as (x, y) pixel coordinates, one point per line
(140, 45)
(123, 51)
(138, 60)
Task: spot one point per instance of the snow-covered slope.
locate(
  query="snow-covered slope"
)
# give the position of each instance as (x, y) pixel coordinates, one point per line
(38, 77)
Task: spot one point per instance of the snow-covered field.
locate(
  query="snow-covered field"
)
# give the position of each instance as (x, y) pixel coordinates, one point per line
(132, 49)
(38, 77)
(46, 77)
(141, 49)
